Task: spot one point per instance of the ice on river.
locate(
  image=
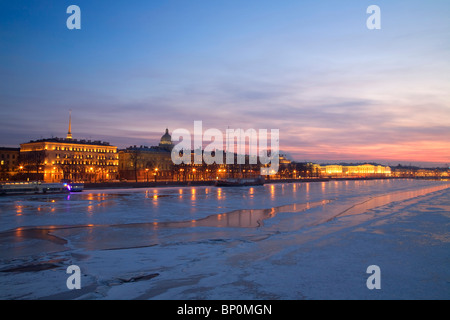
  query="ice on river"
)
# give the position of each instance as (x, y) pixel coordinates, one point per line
(278, 241)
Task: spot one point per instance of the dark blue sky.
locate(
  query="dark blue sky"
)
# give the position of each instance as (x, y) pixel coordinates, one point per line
(312, 69)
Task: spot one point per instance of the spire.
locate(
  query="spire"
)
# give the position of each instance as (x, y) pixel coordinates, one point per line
(69, 133)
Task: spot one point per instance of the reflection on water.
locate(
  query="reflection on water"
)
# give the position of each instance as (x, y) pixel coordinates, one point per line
(242, 218)
(272, 192)
(19, 209)
(106, 237)
(307, 191)
(111, 219)
(388, 198)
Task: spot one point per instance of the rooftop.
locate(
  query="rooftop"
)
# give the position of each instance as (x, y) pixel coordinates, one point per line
(146, 149)
(72, 141)
(9, 149)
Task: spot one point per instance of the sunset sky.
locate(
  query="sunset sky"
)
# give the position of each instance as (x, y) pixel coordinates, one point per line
(312, 69)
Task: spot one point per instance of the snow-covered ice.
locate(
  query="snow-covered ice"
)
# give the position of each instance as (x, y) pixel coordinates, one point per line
(278, 241)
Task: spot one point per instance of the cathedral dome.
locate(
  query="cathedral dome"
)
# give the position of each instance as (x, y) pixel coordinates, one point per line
(166, 140)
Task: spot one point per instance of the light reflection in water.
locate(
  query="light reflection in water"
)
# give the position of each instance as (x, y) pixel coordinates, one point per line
(19, 209)
(250, 218)
(383, 200)
(98, 236)
(308, 195)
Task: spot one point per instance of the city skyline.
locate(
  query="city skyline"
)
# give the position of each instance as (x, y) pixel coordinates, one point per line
(154, 143)
(336, 90)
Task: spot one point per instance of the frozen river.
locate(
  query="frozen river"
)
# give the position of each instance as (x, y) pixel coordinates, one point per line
(278, 241)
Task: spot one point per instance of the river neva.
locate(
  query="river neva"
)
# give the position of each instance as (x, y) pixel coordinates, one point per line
(279, 241)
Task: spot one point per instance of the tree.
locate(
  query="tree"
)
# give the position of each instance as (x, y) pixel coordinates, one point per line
(4, 173)
(136, 159)
(33, 161)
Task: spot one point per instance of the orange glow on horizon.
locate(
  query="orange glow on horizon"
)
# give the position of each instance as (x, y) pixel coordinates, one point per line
(414, 151)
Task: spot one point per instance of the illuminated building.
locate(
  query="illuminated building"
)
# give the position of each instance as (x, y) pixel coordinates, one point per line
(365, 170)
(53, 159)
(165, 142)
(334, 170)
(9, 162)
(147, 163)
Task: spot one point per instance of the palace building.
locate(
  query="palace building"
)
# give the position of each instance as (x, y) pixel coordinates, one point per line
(365, 170)
(147, 163)
(54, 159)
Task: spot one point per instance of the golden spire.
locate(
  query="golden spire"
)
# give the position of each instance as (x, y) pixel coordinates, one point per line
(69, 133)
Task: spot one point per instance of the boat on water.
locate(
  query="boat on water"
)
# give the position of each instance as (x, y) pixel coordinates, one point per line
(37, 187)
(229, 182)
(73, 186)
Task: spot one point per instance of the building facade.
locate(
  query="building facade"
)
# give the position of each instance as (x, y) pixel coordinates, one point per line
(147, 163)
(52, 160)
(365, 170)
(9, 163)
(55, 159)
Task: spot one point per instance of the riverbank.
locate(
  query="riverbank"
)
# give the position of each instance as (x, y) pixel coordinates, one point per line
(162, 184)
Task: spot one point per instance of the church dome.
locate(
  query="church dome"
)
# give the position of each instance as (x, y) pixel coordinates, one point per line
(166, 140)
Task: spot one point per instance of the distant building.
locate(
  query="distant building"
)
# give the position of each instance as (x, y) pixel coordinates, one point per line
(53, 159)
(333, 170)
(165, 142)
(9, 162)
(365, 170)
(368, 170)
(147, 163)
